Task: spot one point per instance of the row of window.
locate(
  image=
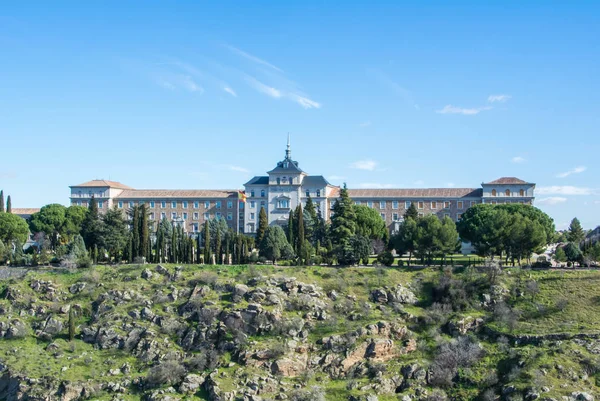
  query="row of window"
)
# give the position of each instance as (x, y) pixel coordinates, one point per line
(420, 204)
(508, 193)
(196, 216)
(184, 204)
(397, 217)
(263, 193)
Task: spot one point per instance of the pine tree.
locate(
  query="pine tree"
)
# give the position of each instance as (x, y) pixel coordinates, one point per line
(411, 212)
(343, 226)
(575, 233)
(290, 227)
(1, 201)
(8, 205)
(262, 225)
(71, 324)
(91, 228)
(206, 242)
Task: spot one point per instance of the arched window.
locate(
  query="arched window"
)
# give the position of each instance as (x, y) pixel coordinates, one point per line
(494, 192)
(507, 192)
(262, 193)
(278, 180)
(521, 192)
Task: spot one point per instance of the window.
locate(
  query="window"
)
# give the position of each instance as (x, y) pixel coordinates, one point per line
(229, 216)
(252, 193)
(382, 204)
(152, 204)
(173, 205)
(163, 215)
(382, 215)
(357, 203)
(251, 216)
(229, 204)
(283, 204)
(207, 205)
(459, 204)
(394, 204)
(120, 204)
(195, 227)
(395, 216)
(262, 193)
(252, 204)
(507, 192)
(163, 204)
(141, 202)
(218, 204)
(307, 193)
(174, 215)
(184, 204)
(218, 215)
(151, 215)
(196, 215)
(196, 205)
(241, 205)
(521, 192)
(185, 216)
(434, 205)
(494, 192)
(262, 203)
(206, 216)
(473, 203)
(318, 193)
(421, 205)
(100, 204)
(407, 204)
(370, 203)
(458, 216)
(278, 180)
(130, 204)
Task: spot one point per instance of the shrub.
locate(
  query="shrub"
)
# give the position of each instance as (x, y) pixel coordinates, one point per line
(315, 393)
(207, 360)
(84, 262)
(400, 263)
(208, 277)
(386, 258)
(168, 372)
(452, 355)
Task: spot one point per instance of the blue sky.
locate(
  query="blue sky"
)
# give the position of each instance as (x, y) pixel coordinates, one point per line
(376, 94)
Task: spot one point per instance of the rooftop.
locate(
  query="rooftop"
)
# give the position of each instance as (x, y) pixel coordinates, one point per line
(416, 193)
(176, 193)
(507, 181)
(102, 183)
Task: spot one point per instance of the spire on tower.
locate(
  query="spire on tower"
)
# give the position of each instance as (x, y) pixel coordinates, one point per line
(288, 152)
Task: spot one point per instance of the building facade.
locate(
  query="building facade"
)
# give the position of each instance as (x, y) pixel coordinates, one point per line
(283, 189)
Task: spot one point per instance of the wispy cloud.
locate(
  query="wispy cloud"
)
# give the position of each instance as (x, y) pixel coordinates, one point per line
(576, 170)
(552, 200)
(564, 190)
(174, 82)
(384, 80)
(230, 91)
(304, 101)
(518, 160)
(263, 88)
(498, 98)
(238, 169)
(375, 185)
(253, 58)
(449, 109)
(368, 165)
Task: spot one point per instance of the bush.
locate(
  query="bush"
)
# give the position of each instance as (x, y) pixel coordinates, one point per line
(452, 355)
(386, 258)
(207, 360)
(84, 262)
(315, 393)
(400, 263)
(168, 372)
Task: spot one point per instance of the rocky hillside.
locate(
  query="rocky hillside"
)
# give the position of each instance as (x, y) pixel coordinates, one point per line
(311, 333)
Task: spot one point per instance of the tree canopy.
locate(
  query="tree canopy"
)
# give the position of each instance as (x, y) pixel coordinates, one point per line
(13, 228)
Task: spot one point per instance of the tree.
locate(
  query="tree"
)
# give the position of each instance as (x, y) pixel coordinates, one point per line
(310, 221)
(411, 212)
(575, 233)
(13, 229)
(572, 252)
(427, 236)
(290, 227)
(1, 201)
(91, 228)
(559, 255)
(447, 237)
(274, 245)
(49, 220)
(343, 227)
(262, 225)
(405, 240)
(206, 236)
(369, 222)
(74, 217)
(8, 205)
(115, 233)
(144, 232)
(299, 223)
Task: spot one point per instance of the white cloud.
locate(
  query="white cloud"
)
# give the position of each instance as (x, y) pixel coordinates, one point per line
(564, 190)
(239, 169)
(230, 91)
(266, 89)
(179, 81)
(518, 159)
(575, 170)
(364, 165)
(375, 185)
(449, 109)
(304, 101)
(365, 124)
(552, 200)
(384, 80)
(498, 98)
(189, 84)
(253, 58)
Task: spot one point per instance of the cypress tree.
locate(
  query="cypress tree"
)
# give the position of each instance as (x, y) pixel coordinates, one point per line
(198, 247)
(206, 242)
(290, 228)
(8, 205)
(411, 212)
(262, 225)
(144, 231)
(238, 248)
(135, 231)
(218, 250)
(1, 201)
(300, 231)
